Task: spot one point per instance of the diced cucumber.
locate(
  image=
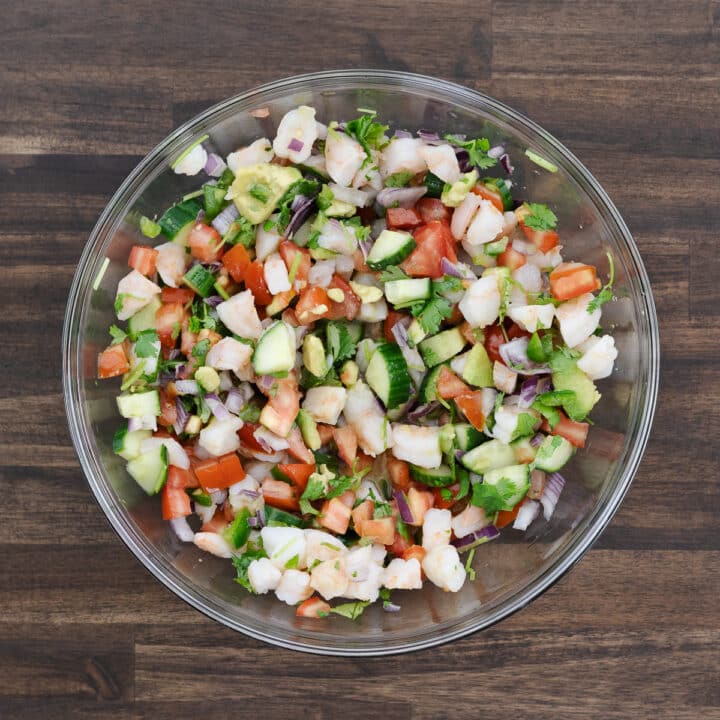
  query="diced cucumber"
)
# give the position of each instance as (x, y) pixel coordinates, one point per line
(280, 518)
(415, 333)
(387, 374)
(501, 188)
(213, 200)
(570, 377)
(525, 451)
(441, 347)
(400, 292)
(143, 319)
(554, 452)
(178, 220)
(200, 280)
(467, 437)
(428, 388)
(493, 249)
(436, 477)
(149, 470)
(515, 480)
(390, 248)
(127, 444)
(275, 350)
(490, 455)
(139, 404)
(478, 370)
(434, 185)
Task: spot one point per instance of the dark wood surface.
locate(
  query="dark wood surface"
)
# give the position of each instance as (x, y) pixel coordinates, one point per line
(87, 88)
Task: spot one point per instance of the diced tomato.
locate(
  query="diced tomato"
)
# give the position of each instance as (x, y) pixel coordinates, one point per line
(433, 209)
(279, 494)
(236, 261)
(142, 258)
(419, 501)
(313, 304)
(494, 338)
(335, 516)
(325, 432)
(363, 461)
(297, 447)
(168, 323)
(168, 407)
(205, 243)
(217, 523)
(313, 607)
(247, 437)
(359, 261)
(255, 282)
(434, 242)
(449, 385)
(487, 193)
(282, 407)
(468, 333)
(289, 251)
(347, 444)
(177, 295)
(113, 361)
(298, 474)
(364, 511)
(415, 551)
(402, 218)
(505, 517)
(455, 318)
(393, 317)
(511, 259)
(440, 501)
(399, 545)
(348, 498)
(381, 531)
(349, 307)
(471, 406)
(219, 473)
(574, 432)
(399, 473)
(175, 501)
(570, 280)
(544, 240)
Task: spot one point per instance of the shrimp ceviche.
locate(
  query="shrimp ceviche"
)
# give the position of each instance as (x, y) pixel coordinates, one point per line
(351, 356)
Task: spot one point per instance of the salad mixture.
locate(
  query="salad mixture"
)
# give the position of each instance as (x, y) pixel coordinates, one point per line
(351, 356)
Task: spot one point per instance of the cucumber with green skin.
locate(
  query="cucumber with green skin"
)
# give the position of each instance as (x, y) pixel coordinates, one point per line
(149, 470)
(489, 455)
(435, 477)
(143, 319)
(388, 376)
(441, 347)
(127, 444)
(390, 248)
(553, 453)
(177, 221)
(401, 292)
(467, 437)
(139, 404)
(428, 388)
(200, 280)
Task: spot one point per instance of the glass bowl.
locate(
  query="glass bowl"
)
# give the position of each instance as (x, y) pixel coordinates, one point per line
(510, 571)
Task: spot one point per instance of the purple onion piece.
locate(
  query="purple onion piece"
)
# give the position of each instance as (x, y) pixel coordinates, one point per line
(174, 354)
(405, 197)
(179, 370)
(531, 388)
(402, 134)
(554, 485)
(134, 423)
(489, 532)
(234, 402)
(181, 416)
(295, 145)
(475, 478)
(214, 165)
(505, 160)
(463, 158)
(301, 211)
(514, 355)
(216, 406)
(537, 440)
(365, 247)
(253, 522)
(265, 382)
(449, 268)
(496, 151)
(224, 219)
(406, 514)
(187, 387)
(252, 494)
(459, 455)
(212, 267)
(422, 410)
(430, 137)
(391, 607)
(213, 300)
(201, 215)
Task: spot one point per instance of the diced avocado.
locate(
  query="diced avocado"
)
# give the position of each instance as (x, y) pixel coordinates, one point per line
(569, 377)
(340, 208)
(208, 378)
(314, 358)
(415, 333)
(257, 189)
(454, 195)
(308, 429)
(478, 370)
(320, 253)
(349, 373)
(498, 246)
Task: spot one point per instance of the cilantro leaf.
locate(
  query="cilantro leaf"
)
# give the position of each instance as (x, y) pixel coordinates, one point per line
(551, 414)
(117, 334)
(304, 187)
(352, 610)
(607, 292)
(200, 350)
(240, 232)
(540, 217)
(367, 132)
(381, 510)
(447, 284)
(325, 198)
(494, 498)
(525, 426)
(147, 344)
(250, 413)
(431, 315)
(242, 563)
(398, 179)
(339, 341)
(308, 380)
(392, 272)
(477, 150)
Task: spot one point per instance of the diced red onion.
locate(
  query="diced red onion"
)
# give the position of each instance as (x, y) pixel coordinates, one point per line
(201, 215)
(269, 439)
(528, 512)
(505, 160)
(537, 440)
(252, 494)
(181, 416)
(475, 478)
(458, 270)
(496, 152)
(531, 388)
(214, 165)
(459, 455)
(489, 532)
(213, 300)
(182, 529)
(365, 247)
(554, 485)
(187, 387)
(296, 145)
(422, 410)
(234, 402)
(402, 134)
(174, 354)
(406, 514)
(301, 209)
(463, 158)
(216, 406)
(179, 371)
(430, 138)
(253, 522)
(265, 382)
(391, 607)
(223, 220)
(405, 197)
(514, 355)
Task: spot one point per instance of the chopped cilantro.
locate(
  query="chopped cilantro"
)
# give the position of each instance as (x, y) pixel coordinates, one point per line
(119, 302)
(250, 413)
(325, 198)
(146, 344)
(117, 334)
(607, 292)
(259, 191)
(398, 179)
(304, 187)
(240, 232)
(551, 414)
(369, 134)
(477, 150)
(494, 497)
(381, 510)
(540, 217)
(469, 569)
(242, 563)
(339, 341)
(392, 272)
(200, 350)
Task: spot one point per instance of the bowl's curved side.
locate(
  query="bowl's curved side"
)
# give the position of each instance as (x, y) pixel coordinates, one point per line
(92, 262)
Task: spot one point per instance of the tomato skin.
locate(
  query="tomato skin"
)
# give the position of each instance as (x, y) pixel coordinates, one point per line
(511, 259)
(255, 282)
(382, 531)
(335, 516)
(349, 307)
(205, 243)
(168, 408)
(571, 280)
(505, 517)
(312, 298)
(282, 407)
(142, 258)
(175, 501)
(177, 295)
(487, 194)
(574, 432)
(393, 317)
(471, 406)
(402, 218)
(280, 495)
(347, 444)
(433, 209)
(399, 545)
(363, 512)
(399, 473)
(168, 323)
(113, 361)
(313, 607)
(288, 251)
(434, 242)
(449, 385)
(236, 261)
(298, 473)
(544, 240)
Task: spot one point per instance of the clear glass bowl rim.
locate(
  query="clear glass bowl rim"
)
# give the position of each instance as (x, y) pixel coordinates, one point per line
(88, 264)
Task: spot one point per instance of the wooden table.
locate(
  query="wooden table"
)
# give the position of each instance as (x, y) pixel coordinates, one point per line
(87, 88)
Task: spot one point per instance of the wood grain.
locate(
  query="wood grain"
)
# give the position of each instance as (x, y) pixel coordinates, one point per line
(88, 87)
